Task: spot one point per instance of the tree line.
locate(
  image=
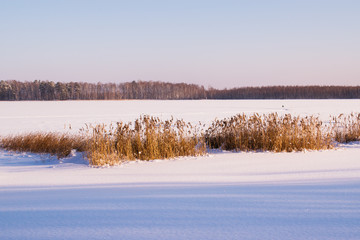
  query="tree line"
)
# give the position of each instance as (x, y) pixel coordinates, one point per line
(12, 90)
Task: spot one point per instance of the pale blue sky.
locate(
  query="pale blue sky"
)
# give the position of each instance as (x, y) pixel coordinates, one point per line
(213, 43)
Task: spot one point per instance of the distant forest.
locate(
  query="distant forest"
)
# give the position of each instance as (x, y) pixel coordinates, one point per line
(12, 90)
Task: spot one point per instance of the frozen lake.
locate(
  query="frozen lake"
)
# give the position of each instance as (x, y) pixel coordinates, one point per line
(58, 115)
(223, 195)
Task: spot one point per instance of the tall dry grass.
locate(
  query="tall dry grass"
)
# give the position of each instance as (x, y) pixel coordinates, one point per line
(268, 132)
(59, 144)
(148, 138)
(346, 128)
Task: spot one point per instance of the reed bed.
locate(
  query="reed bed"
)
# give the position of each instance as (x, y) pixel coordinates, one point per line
(150, 138)
(59, 144)
(147, 139)
(346, 128)
(268, 132)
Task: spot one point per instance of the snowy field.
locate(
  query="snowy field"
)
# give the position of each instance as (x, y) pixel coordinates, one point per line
(224, 195)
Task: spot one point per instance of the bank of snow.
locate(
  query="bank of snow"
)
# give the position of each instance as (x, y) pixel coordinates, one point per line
(304, 195)
(32, 170)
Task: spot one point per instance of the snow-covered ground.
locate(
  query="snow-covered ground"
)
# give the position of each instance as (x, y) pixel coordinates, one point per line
(224, 195)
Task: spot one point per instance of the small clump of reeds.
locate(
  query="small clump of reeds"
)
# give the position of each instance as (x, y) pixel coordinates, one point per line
(268, 132)
(147, 139)
(59, 144)
(346, 128)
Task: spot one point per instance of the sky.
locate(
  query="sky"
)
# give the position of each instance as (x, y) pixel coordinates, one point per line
(221, 44)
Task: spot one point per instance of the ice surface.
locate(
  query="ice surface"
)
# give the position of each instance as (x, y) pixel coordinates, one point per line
(58, 115)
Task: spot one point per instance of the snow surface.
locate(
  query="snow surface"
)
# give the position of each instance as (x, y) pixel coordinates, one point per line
(224, 195)
(58, 115)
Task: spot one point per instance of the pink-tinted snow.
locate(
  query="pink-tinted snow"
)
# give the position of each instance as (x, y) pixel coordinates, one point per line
(224, 195)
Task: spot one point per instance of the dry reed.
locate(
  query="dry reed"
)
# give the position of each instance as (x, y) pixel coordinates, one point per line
(346, 128)
(150, 138)
(269, 132)
(59, 144)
